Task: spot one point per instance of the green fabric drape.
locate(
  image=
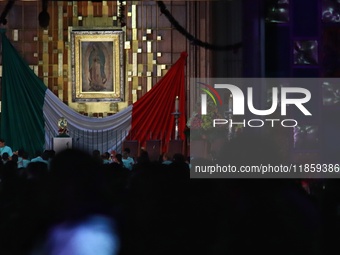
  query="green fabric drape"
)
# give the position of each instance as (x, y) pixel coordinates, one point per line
(23, 93)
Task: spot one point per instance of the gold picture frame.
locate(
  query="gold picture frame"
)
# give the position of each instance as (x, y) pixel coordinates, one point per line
(97, 65)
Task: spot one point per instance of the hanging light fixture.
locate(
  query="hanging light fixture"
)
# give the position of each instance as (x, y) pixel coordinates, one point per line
(44, 17)
(4, 13)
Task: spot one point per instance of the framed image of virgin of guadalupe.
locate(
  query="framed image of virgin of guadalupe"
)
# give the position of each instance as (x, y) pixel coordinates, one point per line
(97, 65)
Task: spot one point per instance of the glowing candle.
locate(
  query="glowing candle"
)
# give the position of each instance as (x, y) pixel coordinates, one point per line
(176, 104)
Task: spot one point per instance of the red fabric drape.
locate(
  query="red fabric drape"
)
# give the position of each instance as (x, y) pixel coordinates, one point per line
(152, 117)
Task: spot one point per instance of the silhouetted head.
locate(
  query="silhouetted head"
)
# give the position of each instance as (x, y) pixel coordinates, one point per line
(178, 158)
(76, 184)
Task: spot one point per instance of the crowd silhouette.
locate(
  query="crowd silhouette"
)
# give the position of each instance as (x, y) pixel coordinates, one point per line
(77, 204)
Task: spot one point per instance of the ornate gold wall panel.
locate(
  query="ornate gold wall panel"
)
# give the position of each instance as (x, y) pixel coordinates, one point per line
(152, 44)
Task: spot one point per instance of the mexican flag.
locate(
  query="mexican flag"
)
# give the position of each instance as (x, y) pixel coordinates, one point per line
(30, 111)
